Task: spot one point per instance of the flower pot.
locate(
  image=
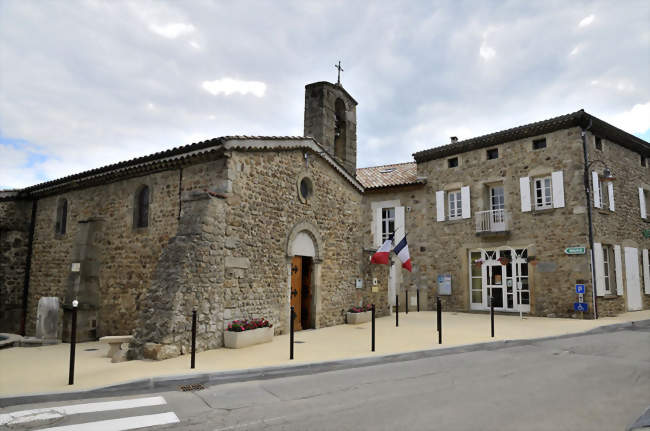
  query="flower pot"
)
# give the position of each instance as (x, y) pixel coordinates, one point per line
(237, 340)
(356, 318)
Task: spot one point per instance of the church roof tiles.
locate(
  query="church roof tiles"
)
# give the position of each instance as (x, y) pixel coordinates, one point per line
(400, 174)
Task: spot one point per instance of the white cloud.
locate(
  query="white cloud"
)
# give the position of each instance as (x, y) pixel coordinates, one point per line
(230, 86)
(586, 21)
(172, 30)
(575, 50)
(486, 51)
(194, 44)
(636, 120)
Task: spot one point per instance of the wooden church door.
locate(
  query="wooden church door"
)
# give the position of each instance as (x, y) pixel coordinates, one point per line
(296, 291)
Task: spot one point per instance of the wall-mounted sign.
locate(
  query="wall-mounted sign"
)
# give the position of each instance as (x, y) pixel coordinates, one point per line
(444, 284)
(580, 288)
(575, 250)
(375, 288)
(374, 281)
(76, 267)
(359, 283)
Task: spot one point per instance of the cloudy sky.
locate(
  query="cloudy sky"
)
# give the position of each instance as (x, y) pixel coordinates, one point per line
(87, 83)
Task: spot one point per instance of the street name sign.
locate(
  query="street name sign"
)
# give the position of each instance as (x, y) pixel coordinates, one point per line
(575, 250)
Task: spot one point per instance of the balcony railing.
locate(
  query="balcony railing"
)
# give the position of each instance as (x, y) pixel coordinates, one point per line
(492, 221)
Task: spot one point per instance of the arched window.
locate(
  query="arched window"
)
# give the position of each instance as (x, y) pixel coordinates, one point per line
(340, 127)
(61, 216)
(141, 214)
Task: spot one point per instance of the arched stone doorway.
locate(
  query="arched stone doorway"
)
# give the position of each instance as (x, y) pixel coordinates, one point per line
(304, 248)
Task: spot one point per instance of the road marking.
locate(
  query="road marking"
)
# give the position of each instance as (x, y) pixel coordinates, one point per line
(24, 416)
(122, 424)
(261, 421)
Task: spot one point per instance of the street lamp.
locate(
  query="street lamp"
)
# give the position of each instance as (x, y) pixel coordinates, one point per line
(607, 176)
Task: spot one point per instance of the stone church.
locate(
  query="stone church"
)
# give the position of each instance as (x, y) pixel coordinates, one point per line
(247, 226)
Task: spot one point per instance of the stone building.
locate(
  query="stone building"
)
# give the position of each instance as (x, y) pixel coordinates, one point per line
(243, 227)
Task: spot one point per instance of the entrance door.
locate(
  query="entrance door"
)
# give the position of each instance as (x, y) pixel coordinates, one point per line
(296, 291)
(495, 284)
(301, 292)
(633, 293)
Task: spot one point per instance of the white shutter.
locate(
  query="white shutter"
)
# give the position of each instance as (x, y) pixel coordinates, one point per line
(600, 269)
(596, 188)
(400, 227)
(465, 202)
(619, 270)
(440, 205)
(377, 224)
(646, 273)
(610, 193)
(557, 180)
(524, 190)
(642, 202)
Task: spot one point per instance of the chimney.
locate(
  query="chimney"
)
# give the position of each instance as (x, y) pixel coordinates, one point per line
(454, 139)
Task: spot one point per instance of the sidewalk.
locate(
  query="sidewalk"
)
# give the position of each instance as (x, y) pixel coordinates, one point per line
(45, 369)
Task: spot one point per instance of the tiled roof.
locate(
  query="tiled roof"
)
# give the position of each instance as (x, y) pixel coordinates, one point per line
(575, 119)
(400, 174)
(179, 156)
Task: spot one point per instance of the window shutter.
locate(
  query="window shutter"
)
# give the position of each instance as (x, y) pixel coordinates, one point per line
(600, 269)
(619, 270)
(377, 224)
(557, 180)
(596, 188)
(610, 193)
(642, 202)
(464, 196)
(646, 273)
(524, 190)
(400, 227)
(440, 205)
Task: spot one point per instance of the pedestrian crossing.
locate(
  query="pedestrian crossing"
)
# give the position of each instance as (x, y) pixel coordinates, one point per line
(76, 412)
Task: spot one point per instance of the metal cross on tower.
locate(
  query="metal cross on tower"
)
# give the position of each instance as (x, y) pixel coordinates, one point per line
(338, 66)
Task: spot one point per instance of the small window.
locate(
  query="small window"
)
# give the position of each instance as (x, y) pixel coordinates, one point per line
(142, 207)
(387, 223)
(493, 154)
(607, 268)
(453, 162)
(306, 188)
(538, 144)
(61, 216)
(599, 143)
(643, 161)
(543, 193)
(455, 205)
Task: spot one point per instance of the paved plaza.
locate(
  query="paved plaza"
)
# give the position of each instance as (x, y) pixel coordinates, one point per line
(45, 369)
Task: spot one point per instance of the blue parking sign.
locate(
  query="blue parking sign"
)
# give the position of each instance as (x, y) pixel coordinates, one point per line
(580, 306)
(580, 288)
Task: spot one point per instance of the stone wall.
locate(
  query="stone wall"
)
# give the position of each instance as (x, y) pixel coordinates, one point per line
(623, 226)
(15, 219)
(262, 211)
(127, 256)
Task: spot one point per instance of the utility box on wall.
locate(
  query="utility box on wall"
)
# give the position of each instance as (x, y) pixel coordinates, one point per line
(444, 284)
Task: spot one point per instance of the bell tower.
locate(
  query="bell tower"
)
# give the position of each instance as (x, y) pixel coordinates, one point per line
(331, 119)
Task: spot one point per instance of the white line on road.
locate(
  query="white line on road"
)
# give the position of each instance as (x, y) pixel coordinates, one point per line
(58, 411)
(121, 424)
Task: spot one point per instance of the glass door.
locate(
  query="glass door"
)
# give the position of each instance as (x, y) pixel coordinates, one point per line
(497, 208)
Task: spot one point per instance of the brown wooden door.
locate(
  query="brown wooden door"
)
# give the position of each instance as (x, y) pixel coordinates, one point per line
(306, 293)
(296, 290)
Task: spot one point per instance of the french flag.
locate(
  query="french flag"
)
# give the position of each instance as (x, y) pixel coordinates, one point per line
(402, 252)
(381, 256)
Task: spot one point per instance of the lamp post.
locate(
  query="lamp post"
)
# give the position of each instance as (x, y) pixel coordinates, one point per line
(607, 176)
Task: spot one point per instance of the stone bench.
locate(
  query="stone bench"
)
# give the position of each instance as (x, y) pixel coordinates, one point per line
(115, 344)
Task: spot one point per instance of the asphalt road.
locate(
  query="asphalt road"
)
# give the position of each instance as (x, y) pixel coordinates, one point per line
(588, 382)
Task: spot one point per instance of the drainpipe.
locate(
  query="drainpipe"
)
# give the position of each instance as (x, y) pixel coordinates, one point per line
(28, 266)
(594, 281)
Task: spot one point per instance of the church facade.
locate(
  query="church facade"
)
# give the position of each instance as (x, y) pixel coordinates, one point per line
(244, 227)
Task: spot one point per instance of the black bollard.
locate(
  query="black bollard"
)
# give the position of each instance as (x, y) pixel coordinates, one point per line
(439, 316)
(417, 293)
(406, 301)
(396, 310)
(193, 363)
(492, 316)
(291, 334)
(73, 341)
(373, 327)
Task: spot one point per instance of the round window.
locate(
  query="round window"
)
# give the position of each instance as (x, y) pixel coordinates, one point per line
(305, 187)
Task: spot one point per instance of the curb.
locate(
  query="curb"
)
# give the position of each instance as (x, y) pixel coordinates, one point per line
(157, 383)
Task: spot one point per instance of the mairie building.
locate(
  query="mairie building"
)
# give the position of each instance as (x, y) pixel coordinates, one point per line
(248, 226)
